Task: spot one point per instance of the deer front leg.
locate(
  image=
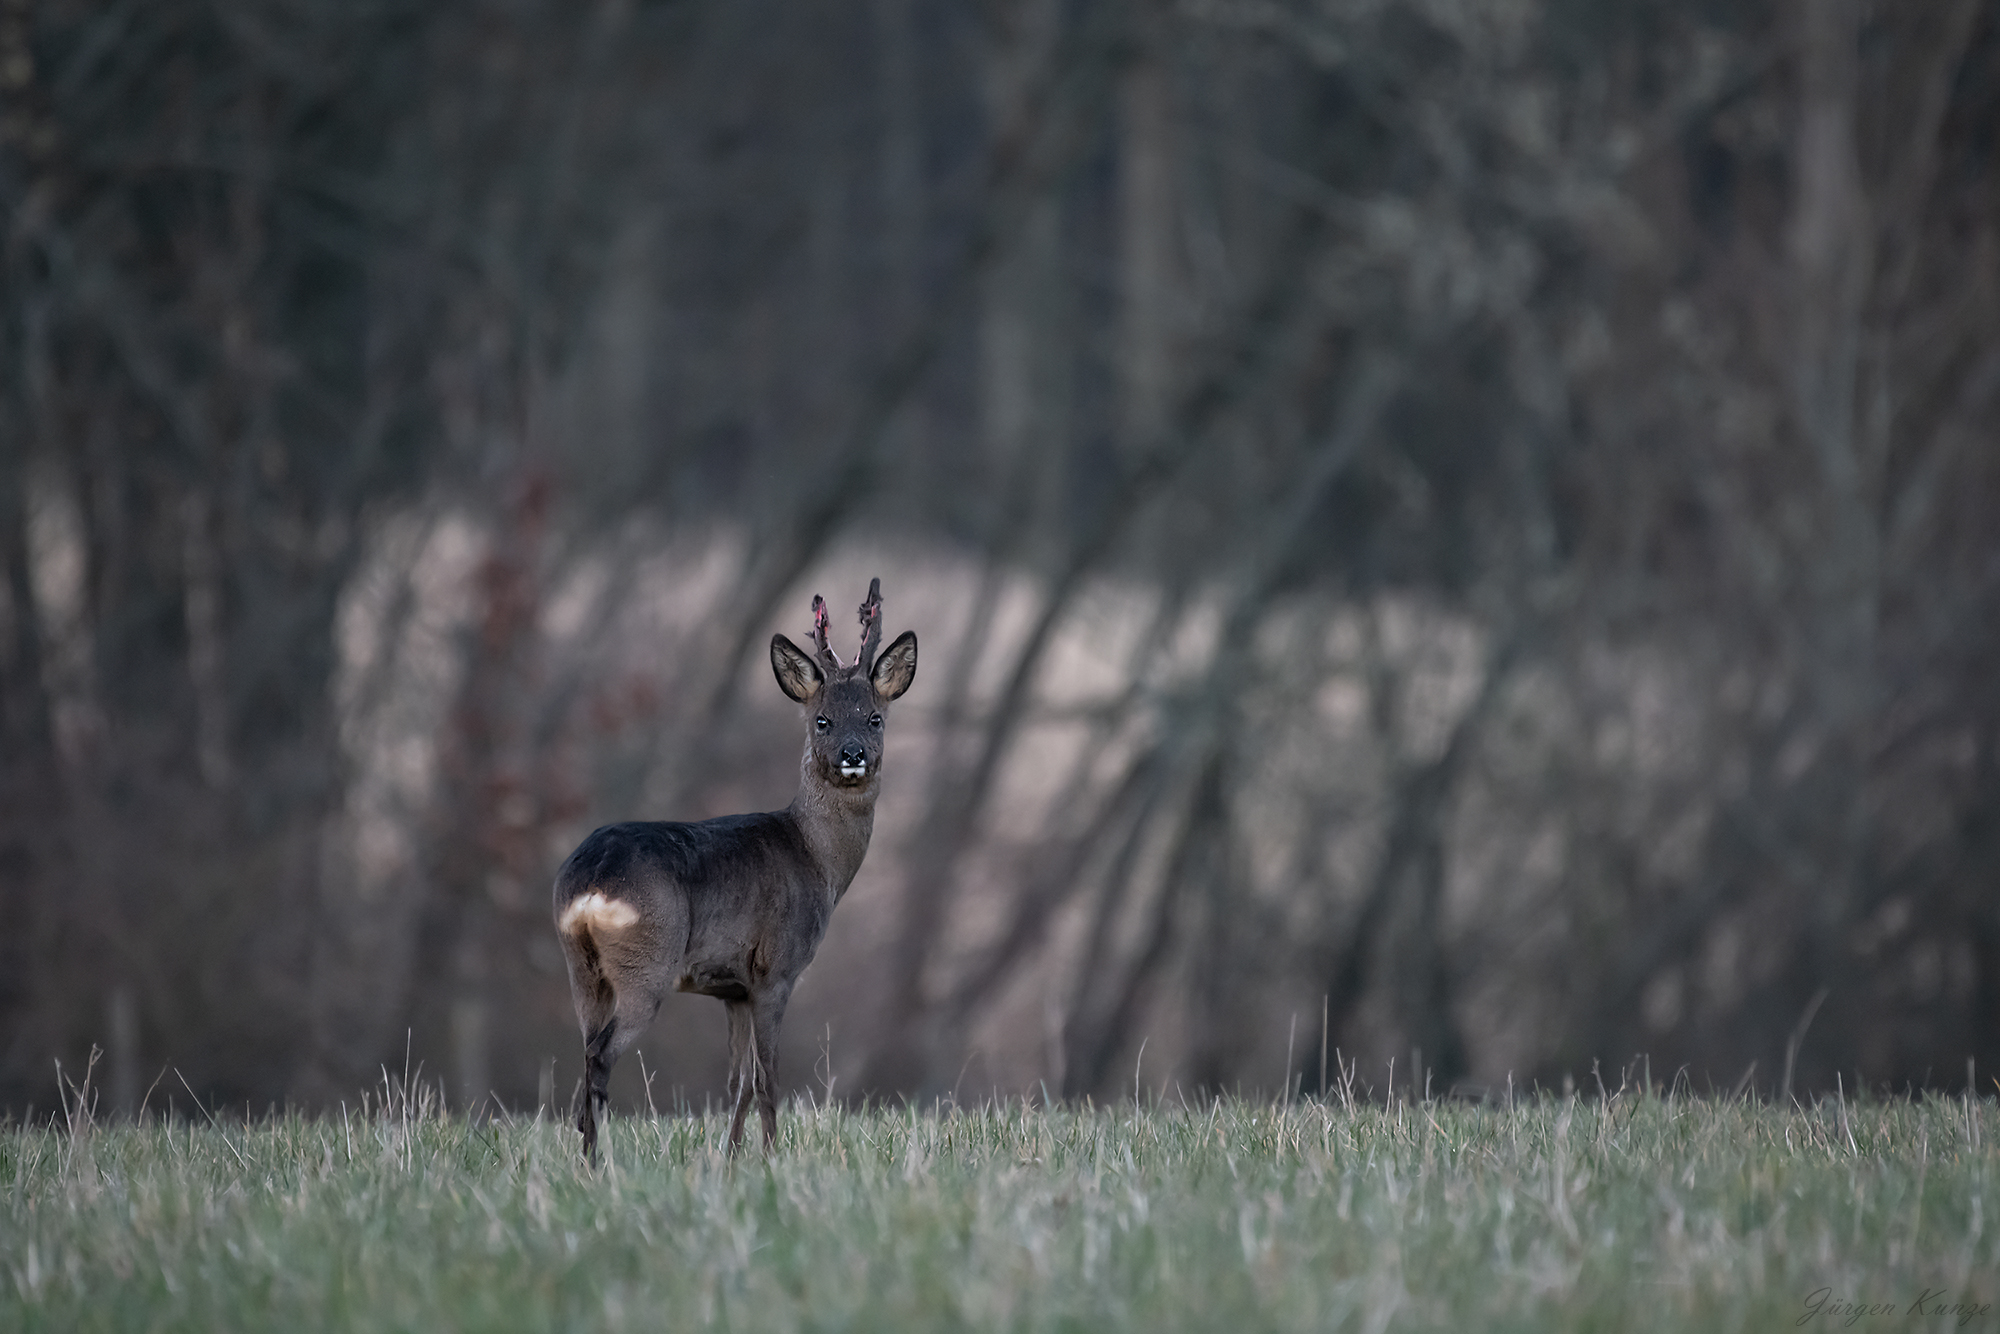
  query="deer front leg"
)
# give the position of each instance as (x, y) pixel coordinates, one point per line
(768, 1011)
(742, 1069)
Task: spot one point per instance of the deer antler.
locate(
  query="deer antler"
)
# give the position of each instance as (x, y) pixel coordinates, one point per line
(821, 624)
(871, 624)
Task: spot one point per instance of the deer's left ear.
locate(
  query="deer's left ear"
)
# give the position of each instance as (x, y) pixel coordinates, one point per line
(896, 668)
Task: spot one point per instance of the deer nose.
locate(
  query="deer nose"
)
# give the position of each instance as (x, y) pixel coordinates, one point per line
(852, 756)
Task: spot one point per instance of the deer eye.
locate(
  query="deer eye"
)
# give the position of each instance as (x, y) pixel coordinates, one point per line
(875, 721)
(821, 723)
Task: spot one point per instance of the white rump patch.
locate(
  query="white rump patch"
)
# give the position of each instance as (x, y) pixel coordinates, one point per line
(597, 911)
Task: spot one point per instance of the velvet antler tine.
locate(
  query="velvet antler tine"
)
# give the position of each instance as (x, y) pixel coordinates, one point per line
(871, 625)
(822, 623)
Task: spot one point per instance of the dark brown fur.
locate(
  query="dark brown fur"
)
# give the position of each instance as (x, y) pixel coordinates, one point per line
(734, 907)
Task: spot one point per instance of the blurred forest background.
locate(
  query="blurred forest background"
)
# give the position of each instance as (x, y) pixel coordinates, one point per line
(1456, 531)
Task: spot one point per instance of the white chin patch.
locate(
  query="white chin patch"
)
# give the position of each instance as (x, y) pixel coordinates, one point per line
(853, 770)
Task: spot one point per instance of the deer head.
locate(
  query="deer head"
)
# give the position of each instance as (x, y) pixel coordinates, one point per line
(846, 700)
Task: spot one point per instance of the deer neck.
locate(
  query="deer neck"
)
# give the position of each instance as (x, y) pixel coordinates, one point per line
(836, 823)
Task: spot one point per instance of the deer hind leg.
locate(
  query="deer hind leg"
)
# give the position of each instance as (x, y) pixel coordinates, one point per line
(596, 1009)
(632, 1011)
(617, 979)
(595, 1095)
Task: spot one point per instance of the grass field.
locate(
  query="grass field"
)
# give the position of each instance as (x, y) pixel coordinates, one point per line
(1633, 1213)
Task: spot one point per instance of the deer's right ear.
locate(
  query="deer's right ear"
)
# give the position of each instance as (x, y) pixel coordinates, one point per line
(798, 675)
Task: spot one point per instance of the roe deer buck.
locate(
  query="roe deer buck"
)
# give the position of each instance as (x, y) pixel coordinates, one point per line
(733, 907)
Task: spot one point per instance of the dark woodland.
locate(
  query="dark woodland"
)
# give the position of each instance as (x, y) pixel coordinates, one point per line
(1455, 532)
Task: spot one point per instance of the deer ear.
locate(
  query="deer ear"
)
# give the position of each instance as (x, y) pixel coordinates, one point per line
(896, 668)
(798, 675)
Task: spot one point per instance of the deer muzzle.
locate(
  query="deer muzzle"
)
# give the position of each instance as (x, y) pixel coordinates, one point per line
(853, 761)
